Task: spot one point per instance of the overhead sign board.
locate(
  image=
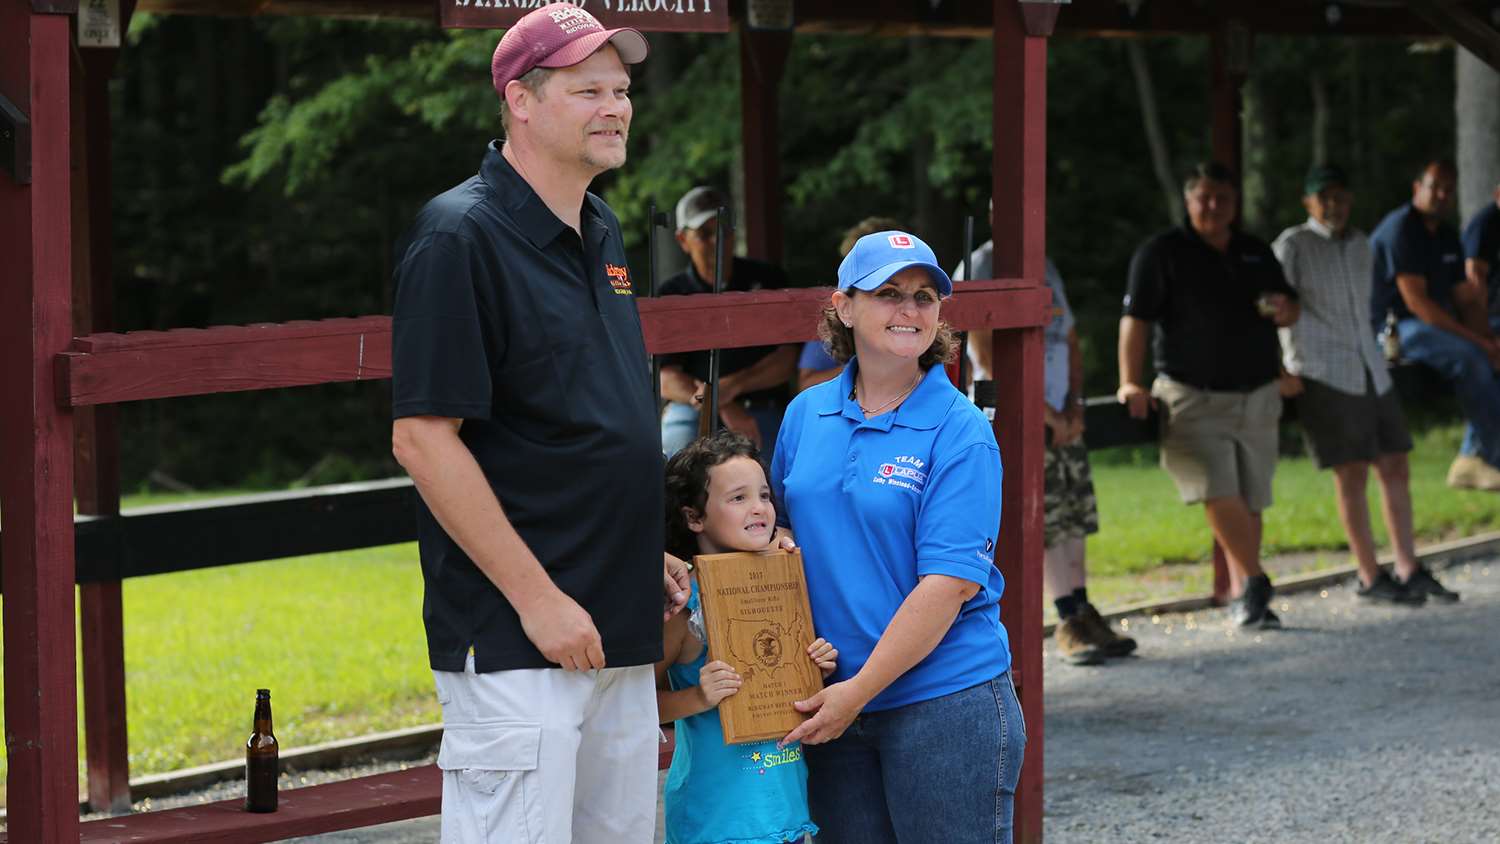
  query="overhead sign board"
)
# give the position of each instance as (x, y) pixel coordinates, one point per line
(646, 15)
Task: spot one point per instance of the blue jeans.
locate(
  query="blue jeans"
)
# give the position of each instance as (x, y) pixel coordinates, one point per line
(943, 770)
(1473, 378)
(679, 426)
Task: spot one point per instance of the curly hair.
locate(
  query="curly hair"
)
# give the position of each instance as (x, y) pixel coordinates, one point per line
(839, 338)
(687, 483)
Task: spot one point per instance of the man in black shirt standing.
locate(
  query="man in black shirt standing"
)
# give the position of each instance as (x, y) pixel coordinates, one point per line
(523, 413)
(1213, 297)
(753, 381)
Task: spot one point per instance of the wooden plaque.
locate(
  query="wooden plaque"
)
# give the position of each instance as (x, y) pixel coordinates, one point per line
(756, 614)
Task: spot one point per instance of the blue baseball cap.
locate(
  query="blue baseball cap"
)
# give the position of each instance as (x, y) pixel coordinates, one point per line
(876, 257)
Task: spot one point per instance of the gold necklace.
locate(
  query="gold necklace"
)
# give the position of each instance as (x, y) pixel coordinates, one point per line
(871, 411)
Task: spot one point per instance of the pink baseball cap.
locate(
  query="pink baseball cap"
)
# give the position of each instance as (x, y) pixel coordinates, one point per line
(558, 35)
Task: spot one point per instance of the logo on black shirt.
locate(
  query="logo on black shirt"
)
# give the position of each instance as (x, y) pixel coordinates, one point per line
(619, 279)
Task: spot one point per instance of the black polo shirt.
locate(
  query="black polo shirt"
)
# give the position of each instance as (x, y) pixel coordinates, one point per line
(1207, 331)
(1402, 244)
(507, 319)
(747, 275)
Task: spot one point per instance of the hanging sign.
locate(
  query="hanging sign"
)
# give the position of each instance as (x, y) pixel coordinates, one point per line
(99, 23)
(645, 15)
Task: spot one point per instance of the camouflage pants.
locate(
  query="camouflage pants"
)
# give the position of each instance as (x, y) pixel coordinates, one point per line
(1069, 507)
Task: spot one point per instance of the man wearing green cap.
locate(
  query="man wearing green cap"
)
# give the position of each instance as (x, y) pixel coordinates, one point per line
(1346, 405)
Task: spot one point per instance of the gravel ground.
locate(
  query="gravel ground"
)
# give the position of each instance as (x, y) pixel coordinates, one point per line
(1353, 724)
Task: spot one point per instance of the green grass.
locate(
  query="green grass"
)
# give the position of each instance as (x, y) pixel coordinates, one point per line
(338, 637)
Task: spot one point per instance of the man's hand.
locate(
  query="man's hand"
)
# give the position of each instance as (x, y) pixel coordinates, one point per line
(564, 632)
(736, 418)
(825, 655)
(1289, 385)
(1284, 310)
(833, 710)
(1074, 415)
(676, 584)
(1137, 401)
(716, 681)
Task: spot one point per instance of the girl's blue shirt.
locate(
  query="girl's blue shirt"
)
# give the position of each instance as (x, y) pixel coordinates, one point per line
(740, 793)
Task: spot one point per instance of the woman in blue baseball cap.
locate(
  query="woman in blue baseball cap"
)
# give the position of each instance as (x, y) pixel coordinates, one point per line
(890, 479)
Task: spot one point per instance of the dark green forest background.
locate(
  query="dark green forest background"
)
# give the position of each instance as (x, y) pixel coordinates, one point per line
(266, 168)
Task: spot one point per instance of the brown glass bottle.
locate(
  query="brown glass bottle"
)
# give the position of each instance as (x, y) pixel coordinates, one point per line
(261, 763)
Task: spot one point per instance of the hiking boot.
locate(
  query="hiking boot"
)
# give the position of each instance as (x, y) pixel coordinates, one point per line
(1075, 642)
(1101, 634)
(1252, 606)
(1423, 583)
(1385, 590)
(1470, 472)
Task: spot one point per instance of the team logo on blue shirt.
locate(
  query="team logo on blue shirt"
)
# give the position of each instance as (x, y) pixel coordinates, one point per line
(905, 472)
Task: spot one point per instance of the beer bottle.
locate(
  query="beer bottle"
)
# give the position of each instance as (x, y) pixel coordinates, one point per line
(261, 763)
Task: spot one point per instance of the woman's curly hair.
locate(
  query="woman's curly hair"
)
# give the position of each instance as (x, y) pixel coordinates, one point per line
(687, 483)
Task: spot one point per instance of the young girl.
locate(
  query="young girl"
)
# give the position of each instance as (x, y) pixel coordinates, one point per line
(718, 501)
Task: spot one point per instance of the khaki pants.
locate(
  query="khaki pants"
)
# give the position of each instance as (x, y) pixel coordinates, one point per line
(1219, 444)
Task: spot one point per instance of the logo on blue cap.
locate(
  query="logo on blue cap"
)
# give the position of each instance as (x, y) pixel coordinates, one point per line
(878, 256)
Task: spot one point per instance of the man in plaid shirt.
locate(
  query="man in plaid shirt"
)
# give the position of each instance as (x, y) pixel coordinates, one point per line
(1346, 402)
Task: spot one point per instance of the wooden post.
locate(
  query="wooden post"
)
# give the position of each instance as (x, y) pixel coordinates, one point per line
(1019, 190)
(1229, 47)
(96, 471)
(762, 60)
(36, 437)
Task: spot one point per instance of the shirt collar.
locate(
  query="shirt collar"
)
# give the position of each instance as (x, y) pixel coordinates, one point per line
(923, 409)
(1317, 228)
(530, 214)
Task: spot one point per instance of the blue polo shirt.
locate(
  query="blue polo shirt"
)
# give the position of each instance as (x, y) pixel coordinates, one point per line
(1402, 244)
(1482, 240)
(877, 504)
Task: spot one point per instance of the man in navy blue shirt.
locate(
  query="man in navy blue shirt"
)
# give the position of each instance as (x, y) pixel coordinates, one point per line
(1419, 279)
(1482, 254)
(522, 401)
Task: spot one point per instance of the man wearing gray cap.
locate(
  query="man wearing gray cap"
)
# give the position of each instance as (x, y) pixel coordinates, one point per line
(522, 402)
(1346, 401)
(754, 381)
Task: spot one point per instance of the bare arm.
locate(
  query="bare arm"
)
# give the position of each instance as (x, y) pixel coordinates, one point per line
(773, 370)
(920, 623)
(1413, 289)
(455, 489)
(982, 342)
(813, 377)
(1132, 393)
(678, 386)
(1073, 410)
(672, 704)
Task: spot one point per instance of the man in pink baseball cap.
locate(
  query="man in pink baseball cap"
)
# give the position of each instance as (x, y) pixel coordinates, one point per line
(523, 413)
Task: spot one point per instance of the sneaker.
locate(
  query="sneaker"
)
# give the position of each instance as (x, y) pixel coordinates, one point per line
(1110, 642)
(1470, 472)
(1423, 583)
(1075, 643)
(1385, 590)
(1251, 607)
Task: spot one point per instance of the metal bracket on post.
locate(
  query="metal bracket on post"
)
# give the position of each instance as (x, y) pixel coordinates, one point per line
(15, 142)
(1041, 16)
(54, 7)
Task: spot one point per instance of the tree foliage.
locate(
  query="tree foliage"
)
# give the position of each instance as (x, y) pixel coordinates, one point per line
(266, 169)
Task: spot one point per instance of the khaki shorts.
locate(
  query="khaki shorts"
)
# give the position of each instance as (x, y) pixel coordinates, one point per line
(1216, 445)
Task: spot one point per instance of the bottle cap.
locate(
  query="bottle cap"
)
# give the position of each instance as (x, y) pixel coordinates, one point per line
(262, 692)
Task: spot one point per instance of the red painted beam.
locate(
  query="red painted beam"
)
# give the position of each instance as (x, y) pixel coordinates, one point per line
(762, 61)
(36, 439)
(96, 475)
(105, 368)
(1020, 233)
